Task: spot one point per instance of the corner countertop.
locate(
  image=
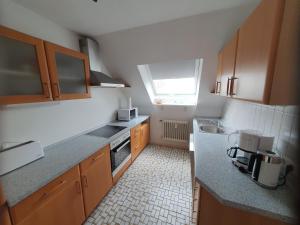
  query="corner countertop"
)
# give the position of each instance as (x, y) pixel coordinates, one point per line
(216, 173)
(59, 158)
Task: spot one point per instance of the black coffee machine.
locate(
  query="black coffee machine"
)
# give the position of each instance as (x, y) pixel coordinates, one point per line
(242, 158)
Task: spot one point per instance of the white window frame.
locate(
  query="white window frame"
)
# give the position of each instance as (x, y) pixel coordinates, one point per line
(146, 76)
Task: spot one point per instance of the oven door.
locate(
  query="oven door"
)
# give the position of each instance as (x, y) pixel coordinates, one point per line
(120, 155)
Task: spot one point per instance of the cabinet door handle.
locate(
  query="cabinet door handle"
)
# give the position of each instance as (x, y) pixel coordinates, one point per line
(46, 89)
(57, 90)
(228, 86)
(98, 157)
(233, 85)
(85, 181)
(218, 87)
(53, 190)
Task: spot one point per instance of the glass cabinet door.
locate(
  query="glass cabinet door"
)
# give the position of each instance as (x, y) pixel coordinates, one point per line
(23, 68)
(69, 72)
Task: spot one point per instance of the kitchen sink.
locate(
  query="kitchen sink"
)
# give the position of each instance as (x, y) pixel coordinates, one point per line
(211, 129)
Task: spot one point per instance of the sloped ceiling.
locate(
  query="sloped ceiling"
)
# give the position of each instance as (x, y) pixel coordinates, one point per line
(90, 18)
(200, 36)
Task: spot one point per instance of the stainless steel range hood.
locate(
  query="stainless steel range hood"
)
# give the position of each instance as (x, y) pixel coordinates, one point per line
(98, 78)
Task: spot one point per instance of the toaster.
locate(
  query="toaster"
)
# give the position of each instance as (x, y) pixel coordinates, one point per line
(19, 155)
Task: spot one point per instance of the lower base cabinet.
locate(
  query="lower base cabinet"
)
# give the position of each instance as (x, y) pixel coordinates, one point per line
(140, 136)
(4, 215)
(60, 202)
(212, 212)
(96, 178)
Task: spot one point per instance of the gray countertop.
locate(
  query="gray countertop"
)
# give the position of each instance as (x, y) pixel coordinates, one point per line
(216, 173)
(59, 158)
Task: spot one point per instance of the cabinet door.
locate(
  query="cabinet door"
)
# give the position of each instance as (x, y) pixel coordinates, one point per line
(60, 203)
(228, 65)
(4, 214)
(256, 52)
(69, 72)
(135, 136)
(219, 74)
(145, 133)
(23, 68)
(96, 178)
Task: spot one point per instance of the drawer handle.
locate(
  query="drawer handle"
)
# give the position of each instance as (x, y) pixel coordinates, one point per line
(98, 157)
(53, 190)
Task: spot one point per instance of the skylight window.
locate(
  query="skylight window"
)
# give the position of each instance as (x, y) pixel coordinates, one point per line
(172, 83)
(177, 86)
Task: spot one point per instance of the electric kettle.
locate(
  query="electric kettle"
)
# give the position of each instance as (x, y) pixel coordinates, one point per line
(266, 169)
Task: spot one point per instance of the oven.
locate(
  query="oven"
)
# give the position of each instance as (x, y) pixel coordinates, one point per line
(120, 152)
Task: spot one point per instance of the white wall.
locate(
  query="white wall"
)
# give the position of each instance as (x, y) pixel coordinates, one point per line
(200, 36)
(53, 121)
(278, 121)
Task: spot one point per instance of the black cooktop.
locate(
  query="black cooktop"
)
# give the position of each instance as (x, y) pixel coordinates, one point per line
(106, 131)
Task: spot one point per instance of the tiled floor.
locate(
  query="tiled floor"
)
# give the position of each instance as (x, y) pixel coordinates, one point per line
(156, 189)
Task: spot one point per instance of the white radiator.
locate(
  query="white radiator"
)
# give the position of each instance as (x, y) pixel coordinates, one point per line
(175, 130)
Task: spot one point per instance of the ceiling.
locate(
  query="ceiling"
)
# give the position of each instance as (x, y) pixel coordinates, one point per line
(106, 16)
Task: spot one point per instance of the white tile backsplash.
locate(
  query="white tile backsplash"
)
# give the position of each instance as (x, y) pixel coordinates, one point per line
(278, 121)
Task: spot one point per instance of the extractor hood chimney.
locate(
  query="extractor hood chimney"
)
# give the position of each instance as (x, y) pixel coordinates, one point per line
(98, 78)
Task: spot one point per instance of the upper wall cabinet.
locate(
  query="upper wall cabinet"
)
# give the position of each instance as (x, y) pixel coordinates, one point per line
(257, 50)
(227, 61)
(23, 68)
(219, 74)
(69, 72)
(266, 66)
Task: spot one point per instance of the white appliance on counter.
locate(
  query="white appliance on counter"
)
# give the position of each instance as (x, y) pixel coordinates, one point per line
(19, 155)
(127, 114)
(266, 169)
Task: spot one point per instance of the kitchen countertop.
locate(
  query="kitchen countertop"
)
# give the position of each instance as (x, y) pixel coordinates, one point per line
(216, 173)
(59, 158)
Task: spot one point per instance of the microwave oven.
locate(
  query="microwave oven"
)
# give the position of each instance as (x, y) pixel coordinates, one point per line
(127, 114)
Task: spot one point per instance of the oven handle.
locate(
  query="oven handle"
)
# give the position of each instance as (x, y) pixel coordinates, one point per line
(117, 150)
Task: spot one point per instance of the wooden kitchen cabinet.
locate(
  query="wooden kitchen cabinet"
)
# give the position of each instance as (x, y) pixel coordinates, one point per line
(219, 74)
(60, 202)
(135, 139)
(23, 68)
(4, 213)
(145, 135)
(256, 51)
(140, 136)
(69, 72)
(266, 64)
(228, 66)
(212, 212)
(96, 178)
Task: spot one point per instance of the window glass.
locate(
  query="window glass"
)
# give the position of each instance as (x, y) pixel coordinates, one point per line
(180, 86)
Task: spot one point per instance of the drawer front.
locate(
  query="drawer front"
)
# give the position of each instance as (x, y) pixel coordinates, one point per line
(45, 196)
(84, 165)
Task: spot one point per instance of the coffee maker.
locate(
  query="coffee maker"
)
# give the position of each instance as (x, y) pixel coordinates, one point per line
(244, 150)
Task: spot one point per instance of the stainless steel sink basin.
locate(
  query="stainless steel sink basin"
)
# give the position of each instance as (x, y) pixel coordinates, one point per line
(211, 129)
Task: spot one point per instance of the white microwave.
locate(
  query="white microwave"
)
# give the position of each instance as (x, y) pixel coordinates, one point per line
(127, 114)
